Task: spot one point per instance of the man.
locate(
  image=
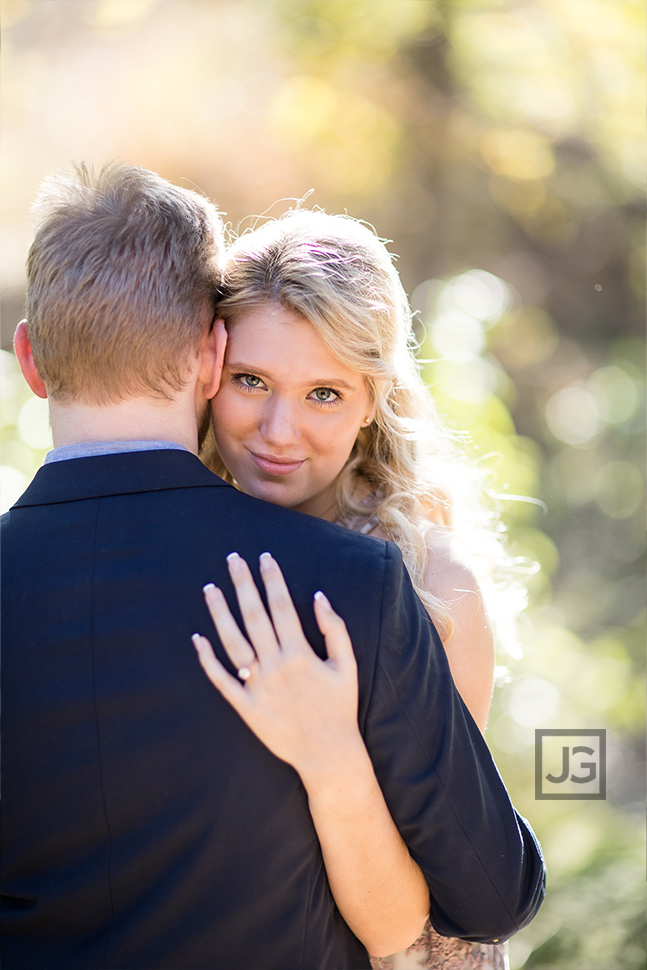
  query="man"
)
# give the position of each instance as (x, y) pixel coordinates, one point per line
(144, 826)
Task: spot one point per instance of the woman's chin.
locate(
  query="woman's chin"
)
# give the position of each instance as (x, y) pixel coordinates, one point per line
(278, 493)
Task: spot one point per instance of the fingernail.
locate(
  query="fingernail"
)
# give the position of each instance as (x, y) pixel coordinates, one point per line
(197, 642)
(265, 560)
(323, 599)
(234, 562)
(212, 594)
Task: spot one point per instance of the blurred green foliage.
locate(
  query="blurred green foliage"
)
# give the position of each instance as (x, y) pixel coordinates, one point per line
(500, 145)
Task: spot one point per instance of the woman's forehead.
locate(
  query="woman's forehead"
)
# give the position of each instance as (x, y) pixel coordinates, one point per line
(274, 339)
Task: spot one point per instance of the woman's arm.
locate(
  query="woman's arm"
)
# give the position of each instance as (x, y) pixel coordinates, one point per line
(470, 647)
(305, 711)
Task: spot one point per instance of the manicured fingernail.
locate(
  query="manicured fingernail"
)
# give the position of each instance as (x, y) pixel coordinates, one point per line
(322, 599)
(234, 562)
(213, 595)
(197, 641)
(265, 560)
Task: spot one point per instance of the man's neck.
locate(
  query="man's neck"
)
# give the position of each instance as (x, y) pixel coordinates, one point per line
(136, 419)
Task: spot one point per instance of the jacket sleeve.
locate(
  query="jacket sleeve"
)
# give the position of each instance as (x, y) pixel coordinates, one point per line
(480, 858)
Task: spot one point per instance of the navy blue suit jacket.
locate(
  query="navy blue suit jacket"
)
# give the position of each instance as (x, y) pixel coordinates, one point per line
(144, 825)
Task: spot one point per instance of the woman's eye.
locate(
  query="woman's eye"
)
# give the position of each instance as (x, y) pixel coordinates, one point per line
(325, 395)
(248, 380)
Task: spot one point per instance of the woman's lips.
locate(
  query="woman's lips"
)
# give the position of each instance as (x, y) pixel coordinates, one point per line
(276, 466)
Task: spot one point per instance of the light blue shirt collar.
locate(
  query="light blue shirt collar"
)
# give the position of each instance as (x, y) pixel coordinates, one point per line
(89, 449)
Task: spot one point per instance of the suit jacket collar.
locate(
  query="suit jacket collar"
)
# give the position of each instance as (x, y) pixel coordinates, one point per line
(120, 474)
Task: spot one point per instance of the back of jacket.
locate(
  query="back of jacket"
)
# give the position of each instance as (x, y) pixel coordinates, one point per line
(144, 826)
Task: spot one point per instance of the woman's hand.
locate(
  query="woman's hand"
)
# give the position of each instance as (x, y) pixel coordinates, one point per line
(302, 708)
(305, 711)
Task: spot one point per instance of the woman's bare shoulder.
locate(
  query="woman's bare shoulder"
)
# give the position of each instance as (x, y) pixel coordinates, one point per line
(470, 646)
(448, 573)
(450, 578)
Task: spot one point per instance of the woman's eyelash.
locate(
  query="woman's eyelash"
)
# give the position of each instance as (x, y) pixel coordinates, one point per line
(337, 399)
(238, 380)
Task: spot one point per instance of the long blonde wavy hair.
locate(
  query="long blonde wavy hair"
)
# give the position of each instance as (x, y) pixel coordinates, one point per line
(336, 273)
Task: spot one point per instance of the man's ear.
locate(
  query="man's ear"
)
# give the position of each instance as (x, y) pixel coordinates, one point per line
(22, 347)
(212, 359)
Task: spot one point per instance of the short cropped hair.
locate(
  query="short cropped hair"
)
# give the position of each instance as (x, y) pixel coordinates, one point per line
(122, 281)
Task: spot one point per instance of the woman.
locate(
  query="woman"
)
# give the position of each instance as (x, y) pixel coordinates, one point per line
(322, 410)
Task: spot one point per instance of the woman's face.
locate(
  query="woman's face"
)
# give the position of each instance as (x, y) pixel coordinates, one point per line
(287, 412)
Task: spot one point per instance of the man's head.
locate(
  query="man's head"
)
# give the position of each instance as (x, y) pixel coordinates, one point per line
(122, 280)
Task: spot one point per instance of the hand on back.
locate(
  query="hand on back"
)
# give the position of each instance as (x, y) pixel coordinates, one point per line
(302, 708)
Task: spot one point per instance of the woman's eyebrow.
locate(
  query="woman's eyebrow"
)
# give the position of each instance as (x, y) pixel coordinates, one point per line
(332, 382)
(246, 368)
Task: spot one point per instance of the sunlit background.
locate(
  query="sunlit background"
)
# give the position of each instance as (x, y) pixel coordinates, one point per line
(500, 146)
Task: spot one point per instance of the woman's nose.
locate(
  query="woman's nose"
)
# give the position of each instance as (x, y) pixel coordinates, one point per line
(279, 425)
